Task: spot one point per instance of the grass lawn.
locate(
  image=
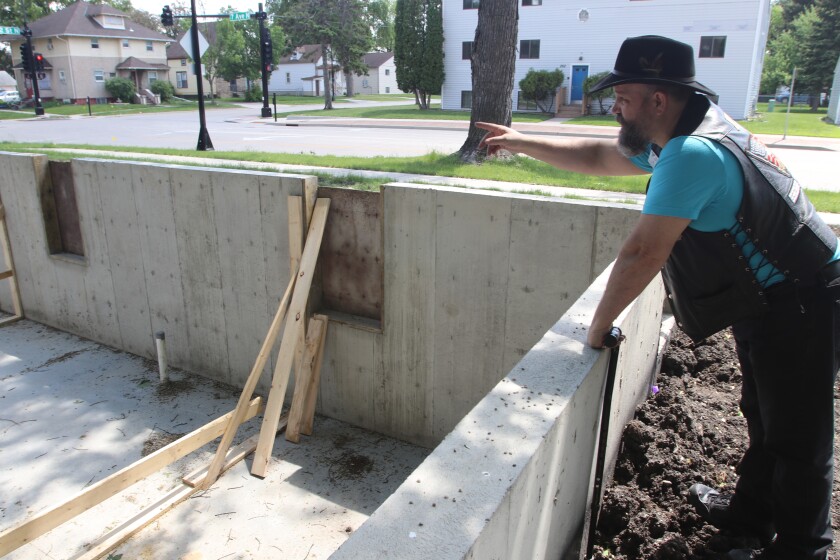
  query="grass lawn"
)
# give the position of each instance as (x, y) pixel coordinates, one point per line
(413, 112)
(801, 122)
(12, 114)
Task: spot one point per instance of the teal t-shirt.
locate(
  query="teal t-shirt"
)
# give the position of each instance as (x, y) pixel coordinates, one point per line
(700, 180)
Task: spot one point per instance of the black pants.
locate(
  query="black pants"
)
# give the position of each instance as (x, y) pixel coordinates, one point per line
(789, 360)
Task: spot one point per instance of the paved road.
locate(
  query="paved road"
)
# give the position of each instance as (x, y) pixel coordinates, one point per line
(813, 161)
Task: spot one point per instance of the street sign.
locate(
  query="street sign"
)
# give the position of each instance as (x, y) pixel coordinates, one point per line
(240, 16)
(186, 42)
(9, 30)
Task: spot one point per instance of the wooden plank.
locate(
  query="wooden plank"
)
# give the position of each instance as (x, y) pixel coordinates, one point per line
(15, 537)
(123, 532)
(294, 323)
(217, 464)
(234, 455)
(17, 307)
(296, 240)
(312, 392)
(304, 377)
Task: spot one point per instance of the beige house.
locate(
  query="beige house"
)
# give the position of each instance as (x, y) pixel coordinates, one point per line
(86, 44)
(182, 75)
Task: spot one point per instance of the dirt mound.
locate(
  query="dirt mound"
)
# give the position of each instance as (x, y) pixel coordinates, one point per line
(688, 431)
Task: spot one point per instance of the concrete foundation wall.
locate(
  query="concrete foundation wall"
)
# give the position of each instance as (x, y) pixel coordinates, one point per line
(471, 280)
(513, 480)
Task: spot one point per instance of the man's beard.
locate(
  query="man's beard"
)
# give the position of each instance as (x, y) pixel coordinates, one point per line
(632, 139)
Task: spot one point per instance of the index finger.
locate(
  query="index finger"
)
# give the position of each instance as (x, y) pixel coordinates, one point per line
(491, 127)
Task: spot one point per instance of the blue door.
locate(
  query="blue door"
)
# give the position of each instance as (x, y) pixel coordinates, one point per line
(579, 74)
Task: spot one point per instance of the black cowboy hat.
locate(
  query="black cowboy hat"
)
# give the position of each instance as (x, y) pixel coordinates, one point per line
(652, 59)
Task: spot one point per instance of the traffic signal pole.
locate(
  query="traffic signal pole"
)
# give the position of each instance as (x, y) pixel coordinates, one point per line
(204, 142)
(265, 60)
(29, 66)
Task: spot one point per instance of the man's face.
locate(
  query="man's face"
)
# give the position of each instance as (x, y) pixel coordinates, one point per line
(631, 110)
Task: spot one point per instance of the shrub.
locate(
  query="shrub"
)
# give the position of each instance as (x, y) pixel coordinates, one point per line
(254, 93)
(164, 89)
(540, 85)
(121, 88)
(598, 96)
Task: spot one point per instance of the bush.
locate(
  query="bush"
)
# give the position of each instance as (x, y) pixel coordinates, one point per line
(164, 89)
(598, 96)
(121, 88)
(254, 94)
(540, 85)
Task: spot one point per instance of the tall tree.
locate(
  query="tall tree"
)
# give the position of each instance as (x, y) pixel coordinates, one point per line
(224, 53)
(823, 48)
(493, 63)
(792, 8)
(332, 24)
(418, 48)
(381, 20)
(785, 50)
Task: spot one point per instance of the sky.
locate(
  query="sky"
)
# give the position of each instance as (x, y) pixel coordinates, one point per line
(201, 6)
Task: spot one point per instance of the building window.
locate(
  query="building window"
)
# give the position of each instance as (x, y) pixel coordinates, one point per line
(94, 43)
(150, 46)
(50, 45)
(466, 99)
(125, 42)
(180, 80)
(99, 75)
(712, 47)
(387, 71)
(234, 87)
(112, 74)
(387, 89)
(532, 2)
(152, 77)
(529, 48)
(466, 50)
(183, 62)
(471, 4)
(61, 77)
(288, 78)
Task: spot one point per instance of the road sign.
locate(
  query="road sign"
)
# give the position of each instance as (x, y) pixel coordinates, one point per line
(186, 42)
(240, 16)
(9, 30)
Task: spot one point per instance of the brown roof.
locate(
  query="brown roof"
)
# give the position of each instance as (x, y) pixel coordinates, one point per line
(304, 54)
(77, 19)
(134, 63)
(377, 59)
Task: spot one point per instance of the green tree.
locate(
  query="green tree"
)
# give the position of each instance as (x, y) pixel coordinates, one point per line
(785, 51)
(121, 88)
(224, 53)
(353, 38)
(792, 8)
(381, 20)
(418, 48)
(540, 86)
(821, 50)
(330, 24)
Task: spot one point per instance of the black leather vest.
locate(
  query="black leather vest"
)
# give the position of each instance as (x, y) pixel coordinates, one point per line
(709, 281)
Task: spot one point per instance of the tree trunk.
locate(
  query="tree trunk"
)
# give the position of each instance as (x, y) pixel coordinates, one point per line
(416, 97)
(348, 80)
(327, 77)
(493, 63)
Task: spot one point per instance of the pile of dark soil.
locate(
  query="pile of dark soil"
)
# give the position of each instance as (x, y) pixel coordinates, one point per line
(690, 431)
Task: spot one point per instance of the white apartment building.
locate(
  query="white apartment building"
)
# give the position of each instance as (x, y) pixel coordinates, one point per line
(583, 38)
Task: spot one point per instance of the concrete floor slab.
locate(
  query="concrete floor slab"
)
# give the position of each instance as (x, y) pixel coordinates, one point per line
(73, 411)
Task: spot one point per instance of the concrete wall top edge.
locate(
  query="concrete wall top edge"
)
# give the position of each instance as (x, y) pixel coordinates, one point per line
(222, 169)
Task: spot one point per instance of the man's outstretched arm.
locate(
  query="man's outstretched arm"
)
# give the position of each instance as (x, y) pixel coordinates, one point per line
(593, 156)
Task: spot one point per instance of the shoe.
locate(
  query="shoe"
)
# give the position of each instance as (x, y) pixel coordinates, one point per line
(717, 509)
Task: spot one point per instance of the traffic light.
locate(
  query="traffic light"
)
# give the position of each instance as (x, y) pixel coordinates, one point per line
(38, 59)
(166, 17)
(265, 44)
(26, 56)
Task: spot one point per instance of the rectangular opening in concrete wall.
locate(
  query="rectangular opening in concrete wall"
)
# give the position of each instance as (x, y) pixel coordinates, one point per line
(61, 213)
(351, 257)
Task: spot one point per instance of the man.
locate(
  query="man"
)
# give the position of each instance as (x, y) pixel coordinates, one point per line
(739, 245)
